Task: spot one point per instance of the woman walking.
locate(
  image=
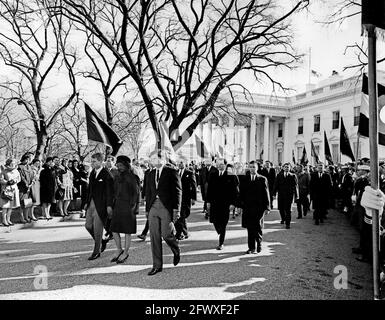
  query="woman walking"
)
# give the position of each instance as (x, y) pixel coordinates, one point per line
(47, 187)
(126, 207)
(10, 198)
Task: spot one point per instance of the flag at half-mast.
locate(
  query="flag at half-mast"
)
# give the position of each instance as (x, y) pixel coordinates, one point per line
(99, 131)
(363, 126)
(373, 14)
(314, 153)
(328, 154)
(345, 147)
(304, 159)
(202, 150)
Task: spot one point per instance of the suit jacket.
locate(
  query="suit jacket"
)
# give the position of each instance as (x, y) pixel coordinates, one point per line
(270, 176)
(254, 199)
(222, 192)
(189, 188)
(320, 190)
(287, 189)
(169, 189)
(101, 190)
(347, 185)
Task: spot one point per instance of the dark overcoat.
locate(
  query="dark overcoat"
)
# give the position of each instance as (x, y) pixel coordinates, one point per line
(286, 188)
(320, 190)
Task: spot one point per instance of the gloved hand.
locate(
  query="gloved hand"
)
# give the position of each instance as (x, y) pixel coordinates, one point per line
(373, 199)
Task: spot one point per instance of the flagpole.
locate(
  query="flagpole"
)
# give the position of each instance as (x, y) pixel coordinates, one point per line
(373, 143)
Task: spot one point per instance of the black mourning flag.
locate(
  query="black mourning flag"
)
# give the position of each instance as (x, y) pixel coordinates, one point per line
(304, 159)
(328, 155)
(373, 13)
(314, 153)
(99, 131)
(201, 148)
(345, 147)
(363, 126)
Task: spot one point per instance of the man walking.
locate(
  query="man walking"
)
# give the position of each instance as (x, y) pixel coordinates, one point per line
(205, 173)
(320, 189)
(189, 196)
(99, 202)
(303, 190)
(286, 186)
(255, 203)
(222, 195)
(270, 175)
(163, 203)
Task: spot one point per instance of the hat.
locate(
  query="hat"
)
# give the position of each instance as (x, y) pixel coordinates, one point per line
(123, 160)
(363, 167)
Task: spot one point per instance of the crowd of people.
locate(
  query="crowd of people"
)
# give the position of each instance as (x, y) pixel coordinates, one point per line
(111, 190)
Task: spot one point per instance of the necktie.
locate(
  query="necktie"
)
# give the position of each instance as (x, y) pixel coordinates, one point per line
(253, 177)
(157, 175)
(320, 175)
(180, 172)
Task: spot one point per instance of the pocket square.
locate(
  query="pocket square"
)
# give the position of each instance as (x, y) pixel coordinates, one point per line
(100, 180)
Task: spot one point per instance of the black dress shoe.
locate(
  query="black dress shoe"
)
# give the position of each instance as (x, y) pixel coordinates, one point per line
(282, 222)
(154, 271)
(114, 259)
(176, 258)
(104, 245)
(250, 251)
(259, 249)
(94, 256)
(287, 226)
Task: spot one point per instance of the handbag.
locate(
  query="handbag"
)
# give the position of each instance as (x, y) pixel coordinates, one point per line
(27, 202)
(59, 195)
(7, 194)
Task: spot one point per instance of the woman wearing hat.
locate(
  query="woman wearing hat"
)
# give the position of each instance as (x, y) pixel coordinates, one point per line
(126, 207)
(10, 199)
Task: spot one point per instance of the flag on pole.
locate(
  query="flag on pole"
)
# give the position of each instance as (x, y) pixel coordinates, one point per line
(99, 131)
(328, 155)
(314, 153)
(201, 148)
(292, 151)
(304, 159)
(373, 13)
(345, 147)
(363, 126)
(316, 74)
(165, 143)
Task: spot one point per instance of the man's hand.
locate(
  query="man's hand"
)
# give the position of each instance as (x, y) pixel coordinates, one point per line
(267, 211)
(232, 207)
(176, 215)
(192, 202)
(109, 212)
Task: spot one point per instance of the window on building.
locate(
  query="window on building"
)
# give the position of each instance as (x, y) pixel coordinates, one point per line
(336, 120)
(356, 115)
(336, 153)
(279, 155)
(280, 129)
(317, 123)
(300, 126)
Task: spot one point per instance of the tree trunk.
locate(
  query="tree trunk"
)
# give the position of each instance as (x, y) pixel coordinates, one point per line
(42, 139)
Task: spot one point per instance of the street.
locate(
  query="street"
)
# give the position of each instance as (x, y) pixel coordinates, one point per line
(298, 263)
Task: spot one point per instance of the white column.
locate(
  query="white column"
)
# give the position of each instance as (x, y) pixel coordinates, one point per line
(266, 132)
(258, 141)
(252, 141)
(287, 149)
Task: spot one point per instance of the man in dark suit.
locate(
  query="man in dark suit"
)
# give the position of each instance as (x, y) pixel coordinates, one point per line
(114, 172)
(189, 196)
(255, 203)
(143, 235)
(286, 185)
(99, 202)
(222, 196)
(270, 175)
(163, 204)
(320, 190)
(205, 173)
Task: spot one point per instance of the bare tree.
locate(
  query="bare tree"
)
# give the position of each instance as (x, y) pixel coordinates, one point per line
(34, 44)
(183, 55)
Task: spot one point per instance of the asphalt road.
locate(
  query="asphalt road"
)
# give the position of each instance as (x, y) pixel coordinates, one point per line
(298, 263)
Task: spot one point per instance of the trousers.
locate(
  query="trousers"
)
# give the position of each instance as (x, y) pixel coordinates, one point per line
(94, 226)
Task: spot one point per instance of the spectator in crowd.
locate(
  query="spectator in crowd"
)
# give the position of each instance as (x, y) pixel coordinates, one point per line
(346, 189)
(76, 179)
(25, 184)
(35, 190)
(84, 181)
(47, 187)
(126, 207)
(65, 185)
(10, 198)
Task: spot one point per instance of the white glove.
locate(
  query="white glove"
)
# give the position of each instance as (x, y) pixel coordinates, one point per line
(373, 199)
(354, 199)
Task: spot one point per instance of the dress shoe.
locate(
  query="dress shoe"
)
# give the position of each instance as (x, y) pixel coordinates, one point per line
(186, 236)
(154, 271)
(33, 219)
(10, 224)
(94, 256)
(282, 222)
(259, 249)
(6, 224)
(356, 250)
(287, 226)
(142, 237)
(104, 245)
(250, 251)
(181, 237)
(114, 259)
(176, 258)
(118, 261)
(220, 247)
